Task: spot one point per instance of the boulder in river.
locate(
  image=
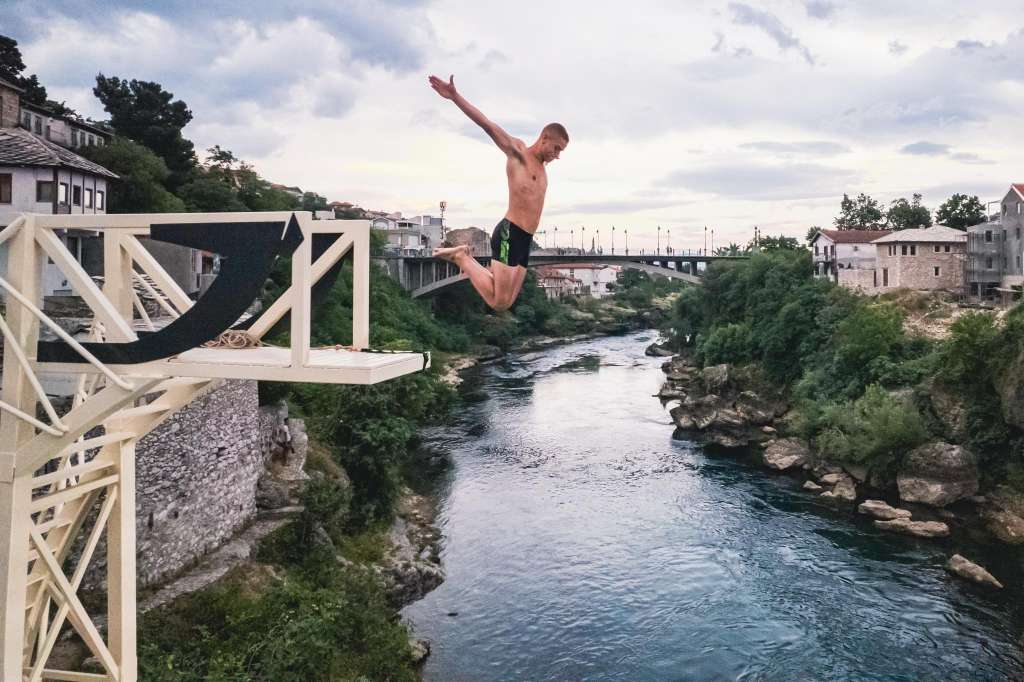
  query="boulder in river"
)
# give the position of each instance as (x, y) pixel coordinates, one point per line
(786, 453)
(845, 490)
(921, 529)
(658, 350)
(880, 510)
(1004, 515)
(812, 486)
(959, 565)
(938, 474)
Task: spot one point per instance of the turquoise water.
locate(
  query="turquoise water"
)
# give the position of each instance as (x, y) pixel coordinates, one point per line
(583, 543)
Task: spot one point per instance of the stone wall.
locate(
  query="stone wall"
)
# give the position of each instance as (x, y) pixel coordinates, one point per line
(861, 280)
(196, 479)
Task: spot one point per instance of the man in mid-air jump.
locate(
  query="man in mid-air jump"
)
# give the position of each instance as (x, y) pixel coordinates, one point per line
(527, 184)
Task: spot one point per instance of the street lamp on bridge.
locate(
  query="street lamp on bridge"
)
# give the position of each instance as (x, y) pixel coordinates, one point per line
(556, 237)
(613, 240)
(583, 239)
(659, 240)
(626, 232)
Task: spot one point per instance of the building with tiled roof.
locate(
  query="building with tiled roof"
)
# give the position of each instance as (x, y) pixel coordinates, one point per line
(835, 250)
(41, 173)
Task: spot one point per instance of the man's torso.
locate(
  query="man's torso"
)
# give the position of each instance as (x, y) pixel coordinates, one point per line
(527, 185)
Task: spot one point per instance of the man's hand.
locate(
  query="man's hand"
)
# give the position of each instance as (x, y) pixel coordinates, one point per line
(446, 90)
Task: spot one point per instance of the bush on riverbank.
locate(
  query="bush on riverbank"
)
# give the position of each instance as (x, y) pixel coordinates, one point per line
(842, 355)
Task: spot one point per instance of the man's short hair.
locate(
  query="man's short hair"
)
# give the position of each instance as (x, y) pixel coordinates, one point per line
(555, 130)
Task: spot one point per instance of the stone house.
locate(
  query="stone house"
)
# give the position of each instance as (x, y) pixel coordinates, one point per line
(924, 258)
(986, 261)
(845, 256)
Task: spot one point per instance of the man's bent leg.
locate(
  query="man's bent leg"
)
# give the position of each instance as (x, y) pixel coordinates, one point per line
(508, 281)
(480, 277)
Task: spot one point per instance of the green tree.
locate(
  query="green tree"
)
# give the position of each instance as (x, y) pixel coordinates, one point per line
(140, 187)
(311, 201)
(148, 114)
(210, 194)
(862, 213)
(779, 243)
(11, 68)
(811, 232)
(960, 211)
(906, 215)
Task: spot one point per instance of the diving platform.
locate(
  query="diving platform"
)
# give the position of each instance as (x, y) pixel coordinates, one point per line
(67, 480)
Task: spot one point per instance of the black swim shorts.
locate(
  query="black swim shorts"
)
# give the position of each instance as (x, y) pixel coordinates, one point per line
(510, 244)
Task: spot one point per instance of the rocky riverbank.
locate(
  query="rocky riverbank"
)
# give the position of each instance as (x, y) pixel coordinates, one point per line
(934, 489)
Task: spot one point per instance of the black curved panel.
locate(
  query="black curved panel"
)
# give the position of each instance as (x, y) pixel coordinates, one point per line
(247, 252)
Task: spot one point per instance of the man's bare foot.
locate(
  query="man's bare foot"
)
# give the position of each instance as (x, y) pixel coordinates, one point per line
(452, 254)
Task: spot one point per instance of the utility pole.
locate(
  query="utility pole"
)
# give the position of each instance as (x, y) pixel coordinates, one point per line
(444, 205)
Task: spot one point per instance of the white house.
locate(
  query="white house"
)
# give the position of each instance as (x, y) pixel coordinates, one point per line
(836, 251)
(38, 175)
(591, 279)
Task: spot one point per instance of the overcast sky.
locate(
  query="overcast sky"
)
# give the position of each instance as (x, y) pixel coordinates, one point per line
(724, 114)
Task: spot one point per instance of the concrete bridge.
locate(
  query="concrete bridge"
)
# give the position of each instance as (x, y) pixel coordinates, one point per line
(423, 276)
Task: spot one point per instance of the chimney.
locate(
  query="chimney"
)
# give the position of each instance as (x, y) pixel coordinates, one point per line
(10, 104)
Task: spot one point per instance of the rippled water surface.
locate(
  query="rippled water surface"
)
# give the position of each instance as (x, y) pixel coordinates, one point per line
(582, 542)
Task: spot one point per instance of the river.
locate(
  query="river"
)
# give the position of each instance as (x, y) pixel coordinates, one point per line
(582, 542)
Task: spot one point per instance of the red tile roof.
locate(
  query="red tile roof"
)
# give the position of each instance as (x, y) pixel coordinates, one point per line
(854, 236)
(1019, 186)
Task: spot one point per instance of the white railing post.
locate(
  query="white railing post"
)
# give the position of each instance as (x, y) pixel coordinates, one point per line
(121, 566)
(25, 268)
(301, 294)
(361, 288)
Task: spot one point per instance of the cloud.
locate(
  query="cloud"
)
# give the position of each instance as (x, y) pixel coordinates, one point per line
(745, 15)
(969, 45)
(926, 149)
(491, 59)
(934, 149)
(762, 182)
(896, 47)
(820, 9)
(806, 148)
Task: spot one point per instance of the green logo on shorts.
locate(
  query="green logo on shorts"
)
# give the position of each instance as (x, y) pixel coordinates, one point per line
(504, 244)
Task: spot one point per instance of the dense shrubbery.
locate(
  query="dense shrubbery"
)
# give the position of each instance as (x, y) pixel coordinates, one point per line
(337, 627)
(842, 355)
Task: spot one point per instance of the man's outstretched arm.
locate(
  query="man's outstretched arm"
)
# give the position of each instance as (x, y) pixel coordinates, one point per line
(505, 142)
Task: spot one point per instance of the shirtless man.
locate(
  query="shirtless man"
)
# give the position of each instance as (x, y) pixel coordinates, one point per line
(527, 184)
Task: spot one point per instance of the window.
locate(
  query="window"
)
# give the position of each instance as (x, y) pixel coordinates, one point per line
(88, 198)
(885, 277)
(1004, 209)
(1018, 229)
(99, 141)
(44, 191)
(988, 235)
(936, 269)
(913, 249)
(74, 137)
(62, 193)
(988, 263)
(39, 125)
(92, 140)
(1004, 234)
(936, 248)
(856, 248)
(101, 197)
(1018, 209)
(815, 249)
(26, 120)
(1018, 262)
(76, 195)
(5, 188)
(904, 250)
(947, 248)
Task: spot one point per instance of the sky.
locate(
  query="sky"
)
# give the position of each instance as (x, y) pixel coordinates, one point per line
(722, 115)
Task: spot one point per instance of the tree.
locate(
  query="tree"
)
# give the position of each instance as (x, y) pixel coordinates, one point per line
(907, 215)
(140, 187)
(733, 249)
(862, 213)
(960, 211)
(811, 231)
(311, 201)
(145, 112)
(11, 67)
(210, 194)
(779, 243)
(11, 64)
